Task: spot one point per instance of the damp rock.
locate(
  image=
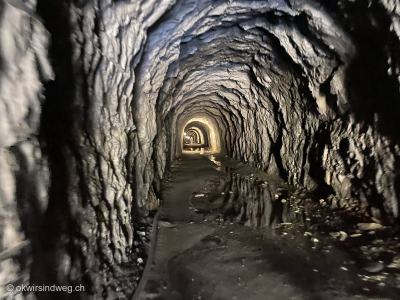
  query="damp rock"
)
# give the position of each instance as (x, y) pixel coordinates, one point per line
(374, 267)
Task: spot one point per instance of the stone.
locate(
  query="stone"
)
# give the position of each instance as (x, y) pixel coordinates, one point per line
(376, 213)
(355, 235)
(369, 226)
(166, 224)
(335, 234)
(395, 264)
(374, 267)
(334, 203)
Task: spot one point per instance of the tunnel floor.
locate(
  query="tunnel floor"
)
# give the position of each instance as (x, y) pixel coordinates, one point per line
(200, 256)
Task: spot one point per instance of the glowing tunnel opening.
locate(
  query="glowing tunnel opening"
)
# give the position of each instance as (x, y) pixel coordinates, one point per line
(195, 136)
(199, 135)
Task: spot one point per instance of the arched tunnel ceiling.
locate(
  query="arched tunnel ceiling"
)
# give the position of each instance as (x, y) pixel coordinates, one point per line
(267, 74)
(222, 46)
(239, 63)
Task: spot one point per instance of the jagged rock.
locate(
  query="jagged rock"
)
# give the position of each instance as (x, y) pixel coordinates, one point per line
(395, 264)
(95, 96)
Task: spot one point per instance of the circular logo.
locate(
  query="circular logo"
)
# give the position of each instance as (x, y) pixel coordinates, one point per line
(10, 287)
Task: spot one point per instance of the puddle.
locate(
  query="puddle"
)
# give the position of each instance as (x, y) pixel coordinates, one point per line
(260, 203)
(215, 161)
(250, 201)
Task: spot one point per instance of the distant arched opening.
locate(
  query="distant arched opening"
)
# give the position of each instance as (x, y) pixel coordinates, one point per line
(198, 135)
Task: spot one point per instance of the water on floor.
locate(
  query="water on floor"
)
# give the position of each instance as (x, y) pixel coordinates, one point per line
(228, 232)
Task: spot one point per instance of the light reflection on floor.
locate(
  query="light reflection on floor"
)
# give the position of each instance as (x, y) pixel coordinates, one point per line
(215, 161)
(207, 153)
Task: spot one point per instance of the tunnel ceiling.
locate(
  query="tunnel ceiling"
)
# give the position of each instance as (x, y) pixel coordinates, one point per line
(229, 60)
(96, 93)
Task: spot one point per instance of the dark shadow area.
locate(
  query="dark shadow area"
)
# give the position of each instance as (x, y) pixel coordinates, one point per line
(373, 93)
(315, 156)
(56, 136)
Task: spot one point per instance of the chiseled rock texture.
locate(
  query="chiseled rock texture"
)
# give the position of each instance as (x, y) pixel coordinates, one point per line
(94, 95)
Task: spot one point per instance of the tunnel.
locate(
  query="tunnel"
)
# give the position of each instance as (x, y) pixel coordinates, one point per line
(196, 134)
(199, 149)
(200, 134)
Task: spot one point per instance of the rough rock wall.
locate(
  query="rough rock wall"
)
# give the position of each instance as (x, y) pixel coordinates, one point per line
(277, 76)
(239, 73)
(358, 162)
(69, 153)
(91, 134)
(24, 174)
(305, 89)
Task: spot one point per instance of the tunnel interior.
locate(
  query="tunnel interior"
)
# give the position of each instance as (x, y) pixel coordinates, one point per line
(193, 135)
(101, 98)
(208, 139)
(196, 135)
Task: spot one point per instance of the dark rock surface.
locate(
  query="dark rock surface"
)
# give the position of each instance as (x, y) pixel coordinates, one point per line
(95, 94)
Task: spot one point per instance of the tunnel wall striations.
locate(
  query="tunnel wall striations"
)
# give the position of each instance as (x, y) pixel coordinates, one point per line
(94, 95)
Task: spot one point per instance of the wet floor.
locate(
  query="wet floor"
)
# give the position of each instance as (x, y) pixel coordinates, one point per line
(240, 235)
